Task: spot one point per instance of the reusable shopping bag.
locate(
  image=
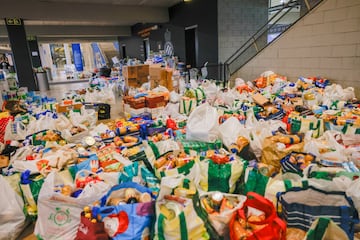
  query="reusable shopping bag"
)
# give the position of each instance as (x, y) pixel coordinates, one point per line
(303, 124)
(189, 169)
(301, 206)
(187, 105)
(140, 174)
(176, 216)
(59, 214)
(30, 188)
(127, 221)
(220, 176)
(265, 226)
(219, 220)
(325, 229)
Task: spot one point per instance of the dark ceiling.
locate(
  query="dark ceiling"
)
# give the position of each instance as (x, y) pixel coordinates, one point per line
(62, 20)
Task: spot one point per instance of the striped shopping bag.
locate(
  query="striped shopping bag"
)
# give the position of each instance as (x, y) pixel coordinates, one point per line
(300, 207)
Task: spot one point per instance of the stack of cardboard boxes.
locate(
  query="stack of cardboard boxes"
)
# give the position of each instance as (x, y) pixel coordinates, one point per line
(136, 76)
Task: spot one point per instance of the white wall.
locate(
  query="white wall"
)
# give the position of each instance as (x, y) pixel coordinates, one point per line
(326, 42)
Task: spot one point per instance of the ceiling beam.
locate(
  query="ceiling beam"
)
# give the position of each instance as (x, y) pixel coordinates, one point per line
(77, 31)
(75, 39)
(107, 14)
(73, 31)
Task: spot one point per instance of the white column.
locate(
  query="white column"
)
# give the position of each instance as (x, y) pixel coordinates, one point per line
(88, 56)
(67, 53)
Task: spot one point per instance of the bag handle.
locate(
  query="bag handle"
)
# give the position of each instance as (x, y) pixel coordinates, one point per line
(282, 225)
(138, 187)
(183, 227)
(319, 231)
(259, 202)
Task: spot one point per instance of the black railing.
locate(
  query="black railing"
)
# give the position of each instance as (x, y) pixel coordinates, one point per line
(260, 39)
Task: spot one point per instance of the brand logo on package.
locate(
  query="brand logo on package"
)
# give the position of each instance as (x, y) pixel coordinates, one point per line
(60, 217)
(83, 228)
(13, 21)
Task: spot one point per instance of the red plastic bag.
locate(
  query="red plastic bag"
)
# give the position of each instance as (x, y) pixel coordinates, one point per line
(267, 226)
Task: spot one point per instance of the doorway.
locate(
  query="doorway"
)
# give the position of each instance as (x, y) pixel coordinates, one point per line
(146, 45)
(123, 50)
(191, 46)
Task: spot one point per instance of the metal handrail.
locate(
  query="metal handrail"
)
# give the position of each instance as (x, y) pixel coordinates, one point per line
(290, 5)
(252, 40)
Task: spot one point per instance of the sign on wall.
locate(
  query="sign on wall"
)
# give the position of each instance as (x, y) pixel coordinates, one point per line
(77, 56)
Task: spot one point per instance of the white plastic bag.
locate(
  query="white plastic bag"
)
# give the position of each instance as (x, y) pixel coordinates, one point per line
(203, 124)
(210, 90)
(45, 122)
(259, 130)
(160, 89)
(12, 218)
(326, 147)
(230, 130)
(104, 95)
(15, 131)
(59, 215)
(86, 117)
(174, 97)
(62, 123)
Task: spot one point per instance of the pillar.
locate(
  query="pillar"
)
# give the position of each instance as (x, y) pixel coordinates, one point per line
(20, 49)
(67, 54)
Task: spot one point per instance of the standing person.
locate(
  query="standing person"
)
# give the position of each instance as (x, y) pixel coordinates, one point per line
(4, 62)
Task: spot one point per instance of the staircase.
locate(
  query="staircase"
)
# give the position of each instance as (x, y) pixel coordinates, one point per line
(268, 33)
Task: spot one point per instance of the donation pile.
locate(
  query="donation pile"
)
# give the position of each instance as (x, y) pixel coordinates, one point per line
(267, 159)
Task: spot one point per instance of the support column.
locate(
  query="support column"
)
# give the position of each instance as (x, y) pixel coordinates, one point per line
(67, 54)
(34, 51)
(88, 56)
(19, 46)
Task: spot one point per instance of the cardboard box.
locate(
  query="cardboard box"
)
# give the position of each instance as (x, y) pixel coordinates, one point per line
(129, 71)
(4, 161)
(155, 71)
(260, 99)
(61, 108)
(143, 70)
(155, 101)
(136, 82)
